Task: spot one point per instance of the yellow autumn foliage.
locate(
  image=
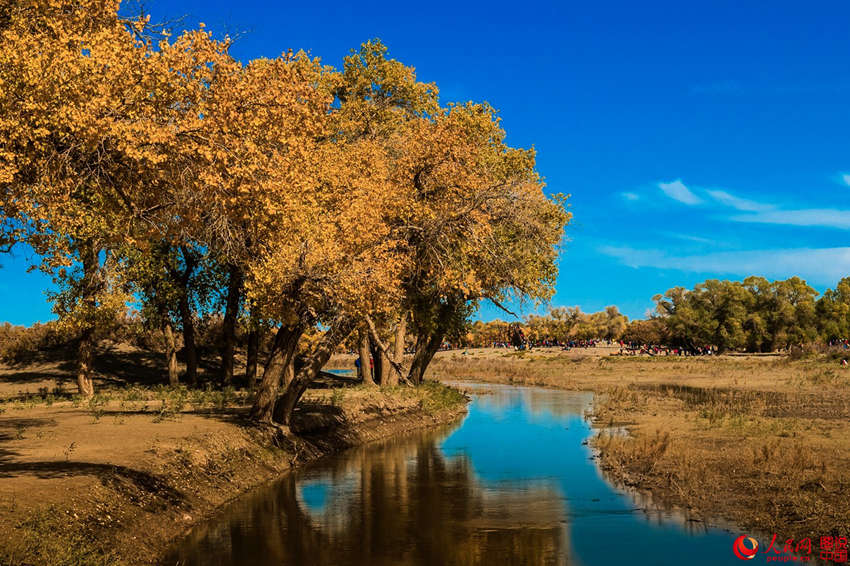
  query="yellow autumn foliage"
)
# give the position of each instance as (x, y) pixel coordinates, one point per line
(333, 193)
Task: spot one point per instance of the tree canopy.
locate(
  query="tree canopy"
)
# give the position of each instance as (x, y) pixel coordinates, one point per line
(146, 166)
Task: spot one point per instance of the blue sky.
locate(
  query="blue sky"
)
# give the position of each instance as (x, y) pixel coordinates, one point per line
(698, 139)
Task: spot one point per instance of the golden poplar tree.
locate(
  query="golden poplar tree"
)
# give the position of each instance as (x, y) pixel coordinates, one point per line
(90, 108)
(476, 221)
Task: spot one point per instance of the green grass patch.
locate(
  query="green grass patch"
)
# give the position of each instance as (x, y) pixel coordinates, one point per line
(437, 397)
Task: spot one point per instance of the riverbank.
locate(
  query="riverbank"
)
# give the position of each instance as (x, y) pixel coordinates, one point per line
(118, 479)
(761, 441)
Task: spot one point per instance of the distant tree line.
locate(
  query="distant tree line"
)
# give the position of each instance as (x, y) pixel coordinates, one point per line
(560, 325)
(753, 315)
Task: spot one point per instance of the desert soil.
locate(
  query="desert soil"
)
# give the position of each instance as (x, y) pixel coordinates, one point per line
(117, 479)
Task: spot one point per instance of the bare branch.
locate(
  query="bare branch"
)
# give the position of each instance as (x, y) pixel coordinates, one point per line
(501, 306)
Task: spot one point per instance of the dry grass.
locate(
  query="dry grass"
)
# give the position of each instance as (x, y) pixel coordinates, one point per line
(114, 479)
(763, 459)
(761, 441)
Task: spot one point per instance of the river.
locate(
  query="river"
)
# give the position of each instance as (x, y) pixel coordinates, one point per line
(514, 483)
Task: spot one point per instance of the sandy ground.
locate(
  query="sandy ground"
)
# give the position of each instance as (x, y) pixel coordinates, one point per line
(115, 480)
(116, 365)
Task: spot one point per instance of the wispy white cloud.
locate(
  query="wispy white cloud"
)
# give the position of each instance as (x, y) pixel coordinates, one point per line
(819, 266)
(691, 238)
(737, 203)
(759, 212)
(630, 196)
(845, 178)
(678, 191)
(817, 217)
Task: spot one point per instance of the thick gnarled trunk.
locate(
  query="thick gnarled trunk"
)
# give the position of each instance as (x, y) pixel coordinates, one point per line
(427, 345)
(289, 372)
(428, 341)
(383, 368)
(319, 355)
(280, 359)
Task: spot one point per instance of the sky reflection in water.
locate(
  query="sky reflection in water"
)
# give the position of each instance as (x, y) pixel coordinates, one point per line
(512, 484)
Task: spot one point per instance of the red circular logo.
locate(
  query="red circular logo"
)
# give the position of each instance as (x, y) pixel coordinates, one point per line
(742, 550)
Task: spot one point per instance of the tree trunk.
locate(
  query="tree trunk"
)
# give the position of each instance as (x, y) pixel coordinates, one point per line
(171, 353)
(85, 351)
(398, 354)
(380, 361)
(365, 357)
(428, 341)
(280, 358)
(251, 357)
(187, 320)
(339, 329)
(289, 372)
(85, 356)
(400, 333)
(382, 369)
(427, 346)
(231, 313)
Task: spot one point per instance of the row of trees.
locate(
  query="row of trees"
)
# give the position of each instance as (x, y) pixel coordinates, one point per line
(753, 315)
(311, 201)
(561, 325)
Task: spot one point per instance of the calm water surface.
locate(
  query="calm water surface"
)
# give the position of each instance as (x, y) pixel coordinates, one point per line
(514, 483)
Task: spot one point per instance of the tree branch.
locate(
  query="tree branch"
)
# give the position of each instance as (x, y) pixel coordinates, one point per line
(501, 306)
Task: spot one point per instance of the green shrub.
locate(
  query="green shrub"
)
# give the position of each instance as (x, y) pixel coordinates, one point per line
(437, 396)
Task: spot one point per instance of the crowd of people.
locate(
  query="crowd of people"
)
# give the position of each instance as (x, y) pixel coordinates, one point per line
(635, 349)
(626, 348)
(524, 343)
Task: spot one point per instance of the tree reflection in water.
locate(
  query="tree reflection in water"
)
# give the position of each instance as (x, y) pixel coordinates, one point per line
(400, 502)
(513, 485)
